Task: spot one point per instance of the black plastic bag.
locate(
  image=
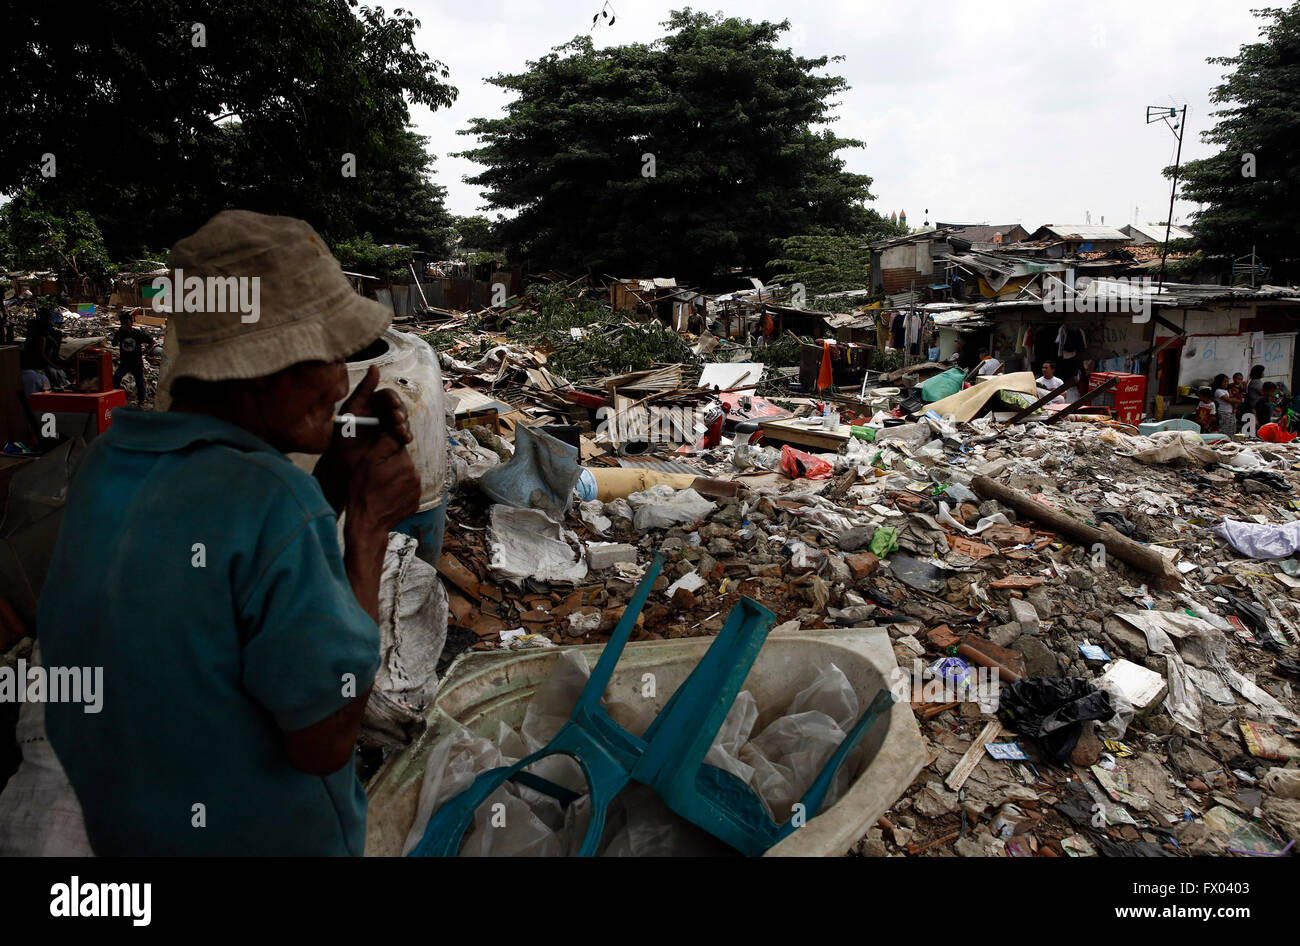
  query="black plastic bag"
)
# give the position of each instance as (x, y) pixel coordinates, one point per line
(1052, 710)
(1115, 518)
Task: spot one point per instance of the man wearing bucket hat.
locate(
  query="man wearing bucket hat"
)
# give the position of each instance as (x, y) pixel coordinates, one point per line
(201, 569)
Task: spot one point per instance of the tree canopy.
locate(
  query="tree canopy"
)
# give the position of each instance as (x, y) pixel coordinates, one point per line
(683, 156)
(1252, 186)
(158, 113)
(823, 264)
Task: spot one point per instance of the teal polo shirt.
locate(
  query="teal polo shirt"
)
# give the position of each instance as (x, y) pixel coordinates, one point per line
(201, 570)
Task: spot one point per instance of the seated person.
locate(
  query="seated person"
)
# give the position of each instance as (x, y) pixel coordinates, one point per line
(988, 364)
(1049, 382)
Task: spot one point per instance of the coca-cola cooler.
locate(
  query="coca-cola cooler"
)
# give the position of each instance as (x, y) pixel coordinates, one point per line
(1125, 399)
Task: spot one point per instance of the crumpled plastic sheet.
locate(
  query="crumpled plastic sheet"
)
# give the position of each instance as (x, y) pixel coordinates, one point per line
(1261, 540)
(1167, 446)
(779, 763)
(661, 507)
(469, 459)
(541, 474)
(946, 517)
(526, 543)
(592, 512)
(1053, 710)
(1202, 646)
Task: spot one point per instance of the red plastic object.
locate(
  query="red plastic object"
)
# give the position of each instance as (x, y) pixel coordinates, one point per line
(1126, 398)
(100, 404)
(796, 463)
(1275, 434)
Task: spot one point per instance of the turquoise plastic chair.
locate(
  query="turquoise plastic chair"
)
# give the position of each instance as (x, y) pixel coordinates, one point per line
(670, 757)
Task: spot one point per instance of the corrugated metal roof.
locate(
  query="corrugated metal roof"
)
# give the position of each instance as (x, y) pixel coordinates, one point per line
(1156, 232)
(1081, 231)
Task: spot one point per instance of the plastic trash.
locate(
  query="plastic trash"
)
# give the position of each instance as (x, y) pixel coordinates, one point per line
(1261, 540)
(668, 756)
(586, 487)
(661, 507)
(541, 475)
(527, 543)
(884, 541)
(797, 463)
(412, 633)
(1052, 710)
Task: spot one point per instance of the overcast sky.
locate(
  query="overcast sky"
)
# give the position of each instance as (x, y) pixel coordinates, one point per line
(1004, 111)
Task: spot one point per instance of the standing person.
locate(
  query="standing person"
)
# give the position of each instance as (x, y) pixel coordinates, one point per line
(1253, 387)
(131, 343)
(932, 353)
(1207, 414)
(236, 676)
(1226, 405)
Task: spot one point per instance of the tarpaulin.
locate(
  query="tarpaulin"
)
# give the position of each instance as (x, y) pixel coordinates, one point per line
(964, 405)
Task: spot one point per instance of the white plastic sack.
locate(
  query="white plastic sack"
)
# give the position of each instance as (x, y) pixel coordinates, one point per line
(412, 634)
(661, 507)
(779, 764)
(1261, 540)
(39, 812)
(526, 543)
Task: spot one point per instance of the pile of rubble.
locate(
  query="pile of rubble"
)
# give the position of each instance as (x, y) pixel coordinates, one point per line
(1074, 552)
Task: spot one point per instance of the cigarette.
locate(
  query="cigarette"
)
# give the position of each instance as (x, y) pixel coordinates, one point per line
(359, 421)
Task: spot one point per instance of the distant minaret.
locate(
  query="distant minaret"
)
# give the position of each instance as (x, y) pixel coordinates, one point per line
(902, 217)
(893, 217)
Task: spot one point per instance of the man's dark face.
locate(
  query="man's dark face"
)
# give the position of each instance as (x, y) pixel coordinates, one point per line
(297, 405)
(1049, 371)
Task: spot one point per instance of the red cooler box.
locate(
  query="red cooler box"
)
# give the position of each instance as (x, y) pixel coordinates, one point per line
(100, 404)
(1125, 399)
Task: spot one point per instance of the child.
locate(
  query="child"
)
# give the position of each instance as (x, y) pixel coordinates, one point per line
(1226, 404)
(1206, 411)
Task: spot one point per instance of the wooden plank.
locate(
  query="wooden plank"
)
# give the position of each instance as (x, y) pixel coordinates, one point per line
(1083, 401)
(1046, 398)
(962, 770)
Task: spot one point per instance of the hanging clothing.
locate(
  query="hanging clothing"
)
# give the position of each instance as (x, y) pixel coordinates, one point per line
(897, 329)
(1070, 341)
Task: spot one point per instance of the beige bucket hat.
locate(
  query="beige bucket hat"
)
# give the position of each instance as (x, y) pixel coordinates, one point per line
(306, 310)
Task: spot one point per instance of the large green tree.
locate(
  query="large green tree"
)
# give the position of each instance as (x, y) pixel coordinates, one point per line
(684, 156)
(158, 113)
(822, 263)
(1252, 185)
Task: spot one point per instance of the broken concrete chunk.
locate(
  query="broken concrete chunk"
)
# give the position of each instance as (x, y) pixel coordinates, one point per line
(1025, 614)
(601, 555)
(1039, 659)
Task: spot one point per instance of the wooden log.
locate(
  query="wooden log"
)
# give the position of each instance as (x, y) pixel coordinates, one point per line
(1121, 546)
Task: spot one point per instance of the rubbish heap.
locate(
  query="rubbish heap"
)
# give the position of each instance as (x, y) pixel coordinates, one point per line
(1096, 630)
